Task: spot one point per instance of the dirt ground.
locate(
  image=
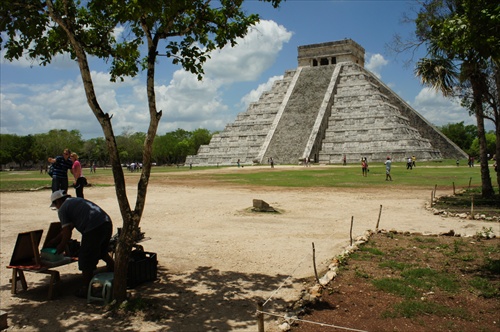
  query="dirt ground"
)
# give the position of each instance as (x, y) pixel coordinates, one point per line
(216, 258)
(408, 282)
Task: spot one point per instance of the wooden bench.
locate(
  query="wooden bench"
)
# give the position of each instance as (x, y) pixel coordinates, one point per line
(18, 275)
(26, 258)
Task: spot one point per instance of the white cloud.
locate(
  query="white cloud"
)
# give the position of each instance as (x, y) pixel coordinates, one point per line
(59, 61)
(31, 109)
(186, 102)
(118, 32)
(440, 110)
(255, 94)
(375, 63)
(253, 55)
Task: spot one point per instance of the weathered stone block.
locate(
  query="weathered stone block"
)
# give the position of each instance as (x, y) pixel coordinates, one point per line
(261, 206)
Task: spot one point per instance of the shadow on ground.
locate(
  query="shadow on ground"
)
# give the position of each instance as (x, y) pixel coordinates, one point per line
(203, 300)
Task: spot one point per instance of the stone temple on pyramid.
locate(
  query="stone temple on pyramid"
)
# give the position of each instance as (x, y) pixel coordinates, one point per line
(329, 107)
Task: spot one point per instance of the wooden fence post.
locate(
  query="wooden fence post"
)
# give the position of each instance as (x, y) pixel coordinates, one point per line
(260, 317)
(378, 220)
(314, 264)
(472, 206)
(352, 221)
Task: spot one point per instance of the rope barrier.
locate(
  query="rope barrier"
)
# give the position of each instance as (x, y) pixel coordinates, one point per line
(283, 283)
(311, 322)
(258, 311)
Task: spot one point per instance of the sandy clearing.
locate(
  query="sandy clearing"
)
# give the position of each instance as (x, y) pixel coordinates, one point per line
(216, 258)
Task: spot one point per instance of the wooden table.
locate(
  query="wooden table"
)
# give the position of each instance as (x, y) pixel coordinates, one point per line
(18, 275)
(26, 258)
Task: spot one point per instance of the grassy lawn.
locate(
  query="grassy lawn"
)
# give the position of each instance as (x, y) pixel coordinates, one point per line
(424, 175)
(443, 174)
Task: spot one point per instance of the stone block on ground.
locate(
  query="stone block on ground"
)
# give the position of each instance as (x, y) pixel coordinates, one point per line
(261, 206)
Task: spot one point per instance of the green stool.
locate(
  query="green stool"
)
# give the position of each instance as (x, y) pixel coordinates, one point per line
(104, 280)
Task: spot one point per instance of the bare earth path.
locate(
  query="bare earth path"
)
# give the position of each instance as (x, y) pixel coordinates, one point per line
(216, 258)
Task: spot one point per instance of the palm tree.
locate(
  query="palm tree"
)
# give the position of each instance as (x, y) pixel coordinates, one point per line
(448, 68)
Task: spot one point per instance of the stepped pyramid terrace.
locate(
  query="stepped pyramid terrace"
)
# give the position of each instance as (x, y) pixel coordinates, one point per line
(329, 107)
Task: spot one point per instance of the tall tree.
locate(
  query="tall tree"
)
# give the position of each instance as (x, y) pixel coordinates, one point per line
(18, 149)
(460, 134)
(94, 151)
(53, 143)
(199, 137)
(462, 36)
(192, 29)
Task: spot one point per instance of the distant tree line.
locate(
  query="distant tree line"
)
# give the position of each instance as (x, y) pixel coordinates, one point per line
(30, 150)
(465, 136)
(170, 148)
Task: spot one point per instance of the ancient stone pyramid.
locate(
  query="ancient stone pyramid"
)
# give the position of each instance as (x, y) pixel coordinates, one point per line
(327, 108)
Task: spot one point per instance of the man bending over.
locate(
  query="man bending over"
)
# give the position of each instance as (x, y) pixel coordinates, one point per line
(96, 228)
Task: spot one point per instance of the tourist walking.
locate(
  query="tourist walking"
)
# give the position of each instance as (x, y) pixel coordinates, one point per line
(408, 163)
(388, 169)
(364, 166)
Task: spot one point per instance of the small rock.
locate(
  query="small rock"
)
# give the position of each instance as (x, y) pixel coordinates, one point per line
(284, 327)
(315, 290)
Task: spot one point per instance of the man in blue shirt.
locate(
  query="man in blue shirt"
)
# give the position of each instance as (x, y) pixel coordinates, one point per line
(96, 228)
(61, 166)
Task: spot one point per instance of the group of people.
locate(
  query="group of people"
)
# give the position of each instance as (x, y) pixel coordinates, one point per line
(88, 218)
(61, 164)
(411, 162)
(388, 164)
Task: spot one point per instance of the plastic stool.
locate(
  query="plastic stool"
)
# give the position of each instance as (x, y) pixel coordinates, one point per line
(104, 280)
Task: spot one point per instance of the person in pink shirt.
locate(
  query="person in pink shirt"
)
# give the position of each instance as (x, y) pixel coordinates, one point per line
(80, 181)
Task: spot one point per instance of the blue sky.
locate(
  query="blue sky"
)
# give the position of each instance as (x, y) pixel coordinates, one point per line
(36, 99)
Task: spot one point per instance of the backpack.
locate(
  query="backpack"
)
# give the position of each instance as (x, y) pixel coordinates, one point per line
(51, 170)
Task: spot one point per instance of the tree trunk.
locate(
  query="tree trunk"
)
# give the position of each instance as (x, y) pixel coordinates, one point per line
(496, 68)
(123, 249)
(478, 92)
(497, 156)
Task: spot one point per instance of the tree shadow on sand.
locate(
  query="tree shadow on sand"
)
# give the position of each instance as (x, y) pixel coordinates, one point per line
(202, 300)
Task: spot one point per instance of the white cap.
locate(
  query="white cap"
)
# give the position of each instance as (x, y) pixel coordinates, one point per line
(56, 195)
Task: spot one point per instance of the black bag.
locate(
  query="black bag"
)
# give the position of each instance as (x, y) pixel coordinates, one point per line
(51, 170)
(73, 248)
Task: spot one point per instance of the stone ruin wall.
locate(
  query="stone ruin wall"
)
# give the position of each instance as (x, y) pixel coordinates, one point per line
(335, 52)
(448, 149)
